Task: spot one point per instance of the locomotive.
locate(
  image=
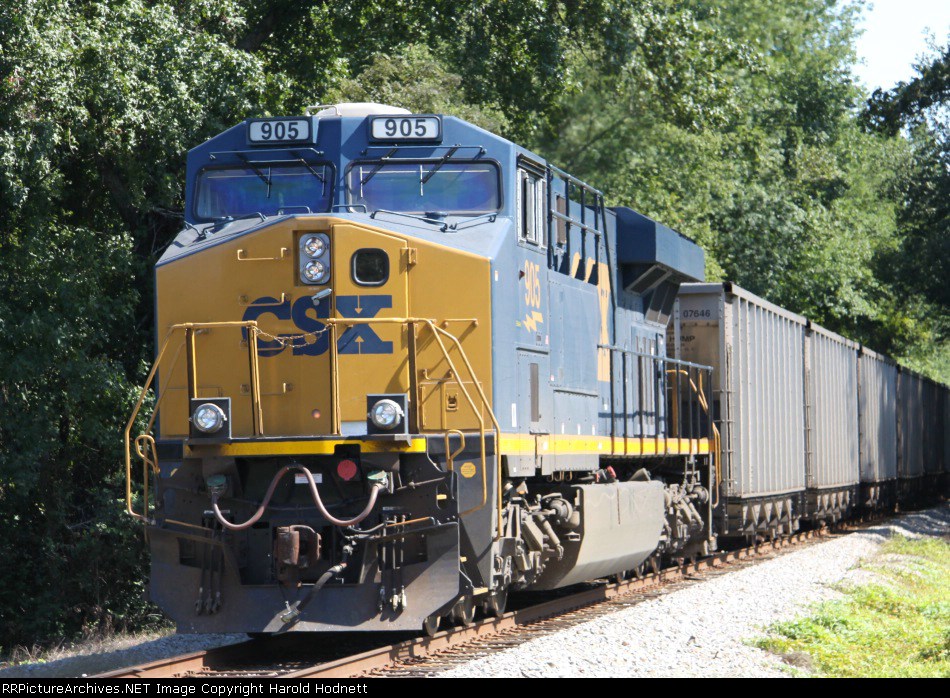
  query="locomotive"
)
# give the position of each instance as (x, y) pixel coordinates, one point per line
(406, 366)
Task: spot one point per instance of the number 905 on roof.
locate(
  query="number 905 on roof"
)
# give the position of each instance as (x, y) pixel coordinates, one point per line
(270, 131)
(405, 128)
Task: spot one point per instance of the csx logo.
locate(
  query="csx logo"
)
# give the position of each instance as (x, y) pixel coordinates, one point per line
(358, 339)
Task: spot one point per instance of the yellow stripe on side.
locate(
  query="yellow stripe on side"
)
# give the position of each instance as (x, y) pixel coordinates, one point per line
(556, 444)
(511, 445)
(517, 445)
(304, 448)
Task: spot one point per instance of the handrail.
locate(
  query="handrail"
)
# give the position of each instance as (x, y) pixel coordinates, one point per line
(333, 323)
(677, 368)
(242, 256)
(574, 180)
(145, 443)
(128, 432)
(189, 328)
(573, 221)
(704, 403)
(449, 454)
(664, 359)
(491, 414)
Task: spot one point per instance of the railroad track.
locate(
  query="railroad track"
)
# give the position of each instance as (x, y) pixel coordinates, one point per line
(346, 656)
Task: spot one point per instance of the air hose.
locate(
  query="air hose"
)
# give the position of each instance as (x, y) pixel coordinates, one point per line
(373, 494)
(294, 610)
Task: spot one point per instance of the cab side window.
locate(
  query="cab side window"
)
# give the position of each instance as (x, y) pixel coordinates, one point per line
(531, 207)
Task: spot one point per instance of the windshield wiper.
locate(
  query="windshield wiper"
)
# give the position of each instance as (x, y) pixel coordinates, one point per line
(379, 166)
(250, 165)
(222, 222)
(309, 168)
(445, 158)
(231, 219)
(443, 226)
(200, 234)
(476, 220)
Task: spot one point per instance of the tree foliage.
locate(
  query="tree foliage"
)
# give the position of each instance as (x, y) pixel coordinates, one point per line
(737, 122)
(98, 104)
(918, 265)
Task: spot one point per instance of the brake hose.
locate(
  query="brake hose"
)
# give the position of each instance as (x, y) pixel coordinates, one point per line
(293, 611)
(373, 494)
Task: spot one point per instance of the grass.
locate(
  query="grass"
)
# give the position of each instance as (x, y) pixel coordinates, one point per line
(93, 642)
(898, 626)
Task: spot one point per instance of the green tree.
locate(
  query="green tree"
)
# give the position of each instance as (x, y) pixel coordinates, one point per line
(98, 103)
(734, 121)
(415, 80)
(917, 268)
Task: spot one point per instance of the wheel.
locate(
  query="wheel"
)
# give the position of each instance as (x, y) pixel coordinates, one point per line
(619, 577)
(463, 613)
(496, 602)
(431, 624)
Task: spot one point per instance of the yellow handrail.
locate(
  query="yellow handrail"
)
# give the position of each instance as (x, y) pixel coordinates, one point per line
(717, 443)
(486, 405)
(148, 450)
(449, 454)
(491, 414)
(145, 444)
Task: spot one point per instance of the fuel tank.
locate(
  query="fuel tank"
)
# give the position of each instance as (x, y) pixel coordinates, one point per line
(620, 526)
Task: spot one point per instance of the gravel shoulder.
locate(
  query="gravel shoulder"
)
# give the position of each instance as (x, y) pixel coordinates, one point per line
(703, 630)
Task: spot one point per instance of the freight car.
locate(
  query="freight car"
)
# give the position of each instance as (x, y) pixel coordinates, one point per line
(757, 351)
(813, 425)
(877, 410)
(920, 458)
(406, 366)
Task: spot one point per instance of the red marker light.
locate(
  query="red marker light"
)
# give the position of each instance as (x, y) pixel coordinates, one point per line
(346, 469)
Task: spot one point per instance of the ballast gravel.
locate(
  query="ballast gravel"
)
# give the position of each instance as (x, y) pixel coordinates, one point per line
(702, 630)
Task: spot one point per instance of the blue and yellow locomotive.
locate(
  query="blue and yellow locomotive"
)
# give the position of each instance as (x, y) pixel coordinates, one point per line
(404, 367)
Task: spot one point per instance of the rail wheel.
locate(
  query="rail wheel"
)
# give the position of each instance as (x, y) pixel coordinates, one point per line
(496, 602)
(431, 624)
(463, 613)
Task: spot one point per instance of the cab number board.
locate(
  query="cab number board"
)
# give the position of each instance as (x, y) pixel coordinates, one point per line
(278, 131)
(406, 128)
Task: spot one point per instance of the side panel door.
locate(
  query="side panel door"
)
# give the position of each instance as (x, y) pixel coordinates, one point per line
(370, 282)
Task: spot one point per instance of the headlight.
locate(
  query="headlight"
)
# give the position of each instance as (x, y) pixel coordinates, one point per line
(208, 418)
(386, 414)
(313, 258)
(314, 246)
(314, 271)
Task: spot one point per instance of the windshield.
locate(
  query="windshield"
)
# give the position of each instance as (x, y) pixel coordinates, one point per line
(446, 187)
(238, 191)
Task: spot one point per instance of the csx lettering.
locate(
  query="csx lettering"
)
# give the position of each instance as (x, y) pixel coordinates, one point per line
(532, 284)
(361, 339)
(357, 339)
